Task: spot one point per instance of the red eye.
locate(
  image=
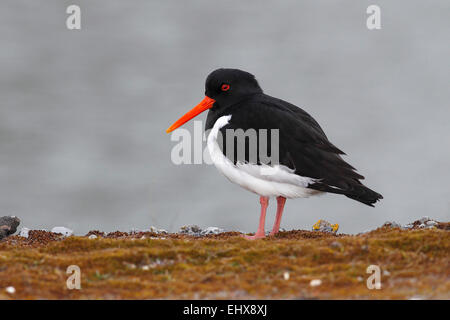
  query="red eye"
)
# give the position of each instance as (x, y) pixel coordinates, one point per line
(225, 87)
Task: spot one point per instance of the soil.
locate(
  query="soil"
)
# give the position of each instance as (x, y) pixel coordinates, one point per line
(414, 264)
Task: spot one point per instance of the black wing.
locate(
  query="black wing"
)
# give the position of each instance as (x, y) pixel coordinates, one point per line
(303, 146)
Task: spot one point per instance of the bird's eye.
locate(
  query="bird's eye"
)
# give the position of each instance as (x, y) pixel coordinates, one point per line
(225, 87)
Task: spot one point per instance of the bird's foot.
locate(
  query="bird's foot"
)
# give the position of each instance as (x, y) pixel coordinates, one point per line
(254, 237)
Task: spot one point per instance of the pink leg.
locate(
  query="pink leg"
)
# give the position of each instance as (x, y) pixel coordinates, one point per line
(276, 226)
(260, 233)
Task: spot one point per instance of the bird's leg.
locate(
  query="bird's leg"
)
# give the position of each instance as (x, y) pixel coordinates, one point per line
(260, 233)
(280, 206)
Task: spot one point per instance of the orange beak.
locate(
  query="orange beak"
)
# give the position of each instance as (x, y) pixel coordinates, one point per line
(205, 104)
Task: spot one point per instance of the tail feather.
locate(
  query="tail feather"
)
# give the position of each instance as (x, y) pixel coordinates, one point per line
(356, 191)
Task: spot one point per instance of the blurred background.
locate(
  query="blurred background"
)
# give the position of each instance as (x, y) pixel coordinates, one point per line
(83, 113)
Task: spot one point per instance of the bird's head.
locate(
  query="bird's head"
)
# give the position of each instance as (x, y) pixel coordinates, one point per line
(223, 87)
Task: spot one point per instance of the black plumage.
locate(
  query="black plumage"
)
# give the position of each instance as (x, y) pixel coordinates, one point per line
(303, 145)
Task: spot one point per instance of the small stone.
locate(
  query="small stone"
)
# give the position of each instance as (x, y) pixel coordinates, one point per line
(286, 276)
(8, 225)
(156, 230)
(408, 226)
(10, 290)
(315, 283)
(145, 268)
(92, 236)
(360, 279)
(24, 232)
(62, 230)
(212, 230)
(386, 273)
(190, 229)
(325, 226)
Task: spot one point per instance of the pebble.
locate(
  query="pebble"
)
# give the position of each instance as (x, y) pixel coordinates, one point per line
(422, 223)
(156, 230)
(286, 276)
(325, 226)
(10, 290)
(92, 236)
(212, 230)
(62, 230)
(191, 229)
(24, 232)
(315, 283)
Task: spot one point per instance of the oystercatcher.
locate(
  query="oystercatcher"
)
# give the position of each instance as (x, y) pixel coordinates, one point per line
(307, 163)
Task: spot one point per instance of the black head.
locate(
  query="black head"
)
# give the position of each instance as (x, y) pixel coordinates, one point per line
(223, 88)
(228, 86)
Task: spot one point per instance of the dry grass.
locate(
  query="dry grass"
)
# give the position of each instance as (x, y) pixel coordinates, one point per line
(226, 266)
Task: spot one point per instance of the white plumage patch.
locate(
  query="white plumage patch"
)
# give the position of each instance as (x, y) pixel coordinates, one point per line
(264, 180)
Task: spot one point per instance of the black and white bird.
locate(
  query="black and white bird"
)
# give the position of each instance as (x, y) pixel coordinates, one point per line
(308, 163)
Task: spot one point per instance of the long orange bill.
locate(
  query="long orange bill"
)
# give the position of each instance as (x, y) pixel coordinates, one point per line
(205, 104)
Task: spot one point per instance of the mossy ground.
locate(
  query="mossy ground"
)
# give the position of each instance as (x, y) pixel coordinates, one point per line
(414, 263)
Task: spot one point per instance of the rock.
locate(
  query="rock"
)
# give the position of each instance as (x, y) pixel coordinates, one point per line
(191, 230)
(63, 230)
(286, 275)
(194, 230)
(159, 231)
(212, 230)
(423, 223)
(325, 226)
(431, 223)
(10, 290)
(391, 224)
(24, 232)
(8, 225)
(92, 236)
(315, 283)
(408, 226)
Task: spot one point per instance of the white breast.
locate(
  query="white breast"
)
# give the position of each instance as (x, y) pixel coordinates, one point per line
(267, 181)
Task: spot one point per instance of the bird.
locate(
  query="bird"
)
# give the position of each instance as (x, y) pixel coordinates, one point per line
(307, 163)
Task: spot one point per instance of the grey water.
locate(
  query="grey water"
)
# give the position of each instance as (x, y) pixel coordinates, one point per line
(83, 112)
